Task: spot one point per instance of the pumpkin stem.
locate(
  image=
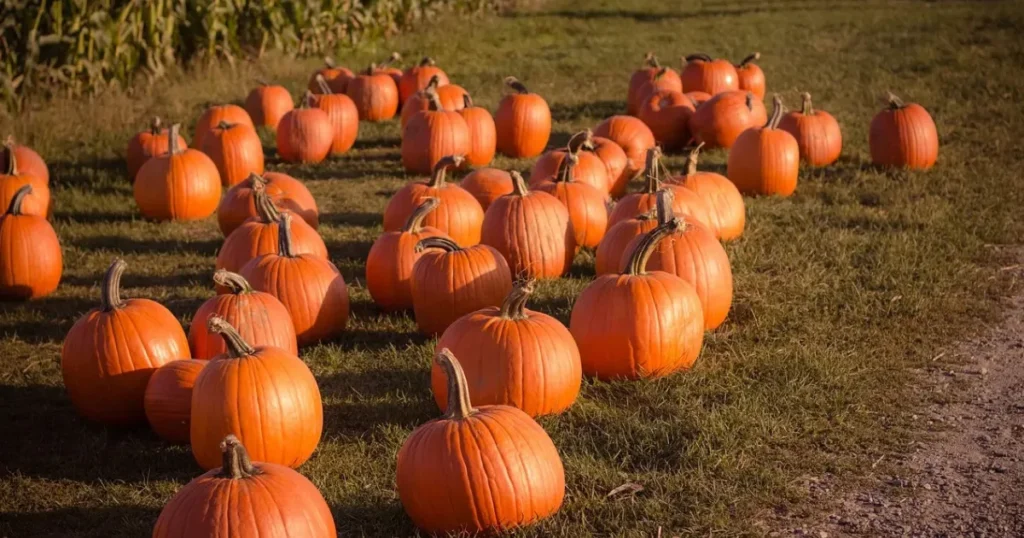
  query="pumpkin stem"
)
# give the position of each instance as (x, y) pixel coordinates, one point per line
(427, 61)
(663, 206)
(256, 179)
(434, 101)
(750, 101)
(650, 60)
(322, 82)
(444, 243)
(698, 56)
(661, 73)
(565, 167)
(432, 84)
(691, 160)
(110, 295)
(652, 171)
(14, 208)
(437, 180)
(284, 236)
(467, 101)
(515, 302)
(235, 462)
(577, 141)
(172, 140)
(637, 263)
(12, 160)
(232, 281)
(513, 82)
(459, 406)
(895, 103)
(519, 187)
(329, 62)
(265, 207)
(753, 57)
(777, 110)
(415, 221)
(394, 57)
(306, 99)
(224, 125)
(155, 126)
(588, 140)
(237, 347)
(805, 105)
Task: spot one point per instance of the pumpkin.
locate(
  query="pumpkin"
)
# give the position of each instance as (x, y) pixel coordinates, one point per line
(29, 162)
(336, 77)
(459, 214)
(638, 324)
(146, 144)
(375, 94)
(482, 133)
(391, 259)
(260, 317)
(587, 206)
(513, 356)
(726, 209)
(286, 192)
(649, 78)
(702, 74)
(719, 121)
(168, 399)
(684, 200)
(260, 235)
(487, 185)
(523, 122)
(586, 167)
(31, 261)
(698, 98)
(449, 281)
(765, 160)
(532, 230)
(394, 72)
(213, 116)
(305, 135)
(692, 253)
(452, 96)
(418, 102)
(431, 135)
(417, 78)
(266, 104)
(495, 467)
(309, 286)
(750, 77)
(667, 114)
(36, 201)
(111, 351)
(264, 395)
(816, 132)
(903, 135)
(236, 150)
(608, 259)
(635, 138)
(242, 498)
(616, 163)
(182, 184)
(344, 118)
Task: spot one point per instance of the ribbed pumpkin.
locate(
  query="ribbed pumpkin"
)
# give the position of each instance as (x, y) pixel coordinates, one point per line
(586, 166)
(213, 116)
(236, 150)
(684, 201)
(344, 117)
(692, 252)
(242, 498)
(903, 135)
(816, 132)
(264, 395)
(336, 77)
(305, 135)
(532, 230)
(431, 135)
(418, 76)
(286, 192)
(609, 252)
(495, 467)
(615, 161)
(483, 135)
(391, 259)
(309, 286)
(452, 96)
(648, 79)
(587, 206)
(487, 185)
(638, 324)
(36, 201)
(111, 351)
(260, 317)
(635, 138)
(145, 144)
(725, 203)
(182, 184)
(267, 103)
(459, 215)
(750, 76)
(719, 121)
(418, 102)
(667, 114)
(513, 356)
(168, 399)
(523, 122)
(31, 261)
(765, 160)
(29, 162)
(375, 94)
(449, 281)
(701, 73)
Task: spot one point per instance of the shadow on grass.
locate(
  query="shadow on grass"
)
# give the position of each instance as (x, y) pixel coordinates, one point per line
(55, 315)
(597, 109)
(92, 217)
(352, 218)
(373, 518)
(84, 174)
(203, 247)
(359, 418)
(119, 520)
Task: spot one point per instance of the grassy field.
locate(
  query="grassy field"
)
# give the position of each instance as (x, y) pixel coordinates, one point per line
(841, 290)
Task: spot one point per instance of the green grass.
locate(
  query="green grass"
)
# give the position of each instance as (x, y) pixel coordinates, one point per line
(841, 290)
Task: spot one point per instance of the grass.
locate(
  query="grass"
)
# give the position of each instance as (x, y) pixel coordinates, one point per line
(841, 290)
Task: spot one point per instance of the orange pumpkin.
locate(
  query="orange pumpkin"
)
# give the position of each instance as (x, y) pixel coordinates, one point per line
(305, 135)
(417, 78)
(395, 73)
(344, 117)
(431, 135)
(111, 351)
(266, 104)
(146, 144)
(648, 79)
(482, 133)
(236, 150)
(452, 96)
(903, 135)
(168, 399)
(684, 201)
(419, 102)
(635, 138)
(725, 203)
(586, 167)
(816, 132)
(523, 122)
(765, 160)
(213, 116)
(449, 281)
(750, 77)
(587, 206)
(698, 98)
(608, 259)
(273, 497)
(487, 185)
(719, 121)
(638, 324)
(336, 77)
(391, 259)
(701, 73)
(182, 184)
(286, 192)
(375, 94)
(616, 163)
(495, 466)
(31, 261)
(36, 201)
(29, 162)
(264, 395)
(459, 214)
(667, 113)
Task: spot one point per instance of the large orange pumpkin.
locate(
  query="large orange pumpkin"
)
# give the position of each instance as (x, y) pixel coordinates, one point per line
(418, 77)
(236, 150)
(344, 117)
(213, 116)
(36, 201)
(305, 135)
(459, 214)
(587, 206)
(684, 201)
(702, 74)
(31, 261)
(431, 135)
(245, 498)
(266, 104)
(182, 184)
(609, 252)
(523, 122)
(586, 167)
(286, 192)
(495, 467)
(111, 351)
(168, 399)
(336, 77)
(375, 94)
(719, 121)
(146, 144)
(750, 76)
(765, 160)
(391, 259)
(487, 185)
(903, 135)
(726, 209)
(650, 78)
(482, 134)
(816, 132)
(264, 395)
(635, 138)
(616, 163)
(667, 113)
(449, 281)
(29, 162)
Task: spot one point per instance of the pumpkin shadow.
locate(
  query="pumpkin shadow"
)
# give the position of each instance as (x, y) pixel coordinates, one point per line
(364, 418)
(116, 243)
(120, 520)
(373, 518)
(377, 142)
(597, 110)
(360, 219)
(85, 173)
(92, 217)
(51, 317)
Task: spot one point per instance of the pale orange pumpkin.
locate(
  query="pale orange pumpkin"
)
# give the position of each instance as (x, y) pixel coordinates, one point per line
(650, 78)
(336, 77)
(635, 138)
(375, 93)
(342, 113)
(213, 116)
(168, 399)
(418, 77)
(719, 121)
(37, 200)
(286, 192)
(29, 162)
(608, 258)
(667, 113)
(903, 135)
(615, 161)
(305, 135)
(267, 104)
(586, 167)
(587, 206)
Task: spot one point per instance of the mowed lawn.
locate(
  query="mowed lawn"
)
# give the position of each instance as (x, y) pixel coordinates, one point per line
(841, 290)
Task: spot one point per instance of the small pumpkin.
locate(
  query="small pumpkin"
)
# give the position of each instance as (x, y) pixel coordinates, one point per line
(236, 150)
(816, 132)
(608, 259)
(182, 184)
(635, 138)
(111, 351)
(523, 122)
(391, 259)
(272, 498)
(213, 116)
(765, 160)
(417, 78)
(703, 74)
(495, 466)
(31, 261)
(667, 113)
(305, 135)
(336, 77)
(458, 215)
(168, 399)
(29, 162)
(615, 161)
(586, 167)
(267, 103)
(726, 209)
(375, 94)
(648, 79)
(264, 395)
(431, 135)
(684, 201)
(750, 76)
(449, 281)
(482, 133)
(344, 117)
(718, 122)
(146, 144)
(587, 206)
(36, 201)
(903, 135)
(487, 185)
(286, 192)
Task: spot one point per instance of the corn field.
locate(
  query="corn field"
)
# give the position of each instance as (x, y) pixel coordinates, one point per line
(75, 46)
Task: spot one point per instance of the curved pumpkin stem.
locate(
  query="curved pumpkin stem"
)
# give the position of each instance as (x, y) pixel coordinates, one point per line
(265, 207)
(444, 243)
(519, 187)
(650, 60)
(652, 171)
(565, 167)
(433, 101)
(515, 301)
(415, 222)
(437, 180)
(155, 126)
(14, 208)
(432, 84)
(777, 110)
(691, 160)
(894, 102)
(698, 56)
(237, 347)
(637, 264)
(459, 405)
(322, 82)
(518, 87)
(663, 206)
(255, 179)
(172, 140)
(577, 141)
(805, 104)
(110, 294)
(588, 140)
(752, 58)
(232, 281)
(235, 462)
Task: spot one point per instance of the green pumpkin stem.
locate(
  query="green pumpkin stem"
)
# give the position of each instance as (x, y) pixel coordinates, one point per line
(894, 102)
(805, 104)
(698, 56)
(110, 294)
(637, 263)
(444, 243)
(232, 281)
(751, 58)
(518, 87)
(235, 462)
(415, 222)
(514, 305)
(777, 110)
(438, 179)
(284, 236)
(322, 83)
(519, 187)
(651, 61)
(14, 208)
(265, 208)
(691, 160)
(459, 405)
(652, 171)
(237, 347)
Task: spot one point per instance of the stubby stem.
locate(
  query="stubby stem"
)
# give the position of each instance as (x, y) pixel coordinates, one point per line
(652, 171)
(637, 264)
(691, 160)
(459, 405)
(444, 243)
(698, 56)
(235, 462)
(110, 295)
(777, 110)
(427, 61)
(223, 125)
(155, 126)
(232, 281)
(329, 62)
(752, 58)
(322, 82)
(518, 87)
(650, 60)
(894, 102)
(415, 221)
(805, 104)
(14, 208)
(515, 302)
(519, 187)
(437, 180)
(661, 73)
(663, 206)
(265, 207)
(284, 236)
(237, 347)
(392, 59)
(172, 140)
